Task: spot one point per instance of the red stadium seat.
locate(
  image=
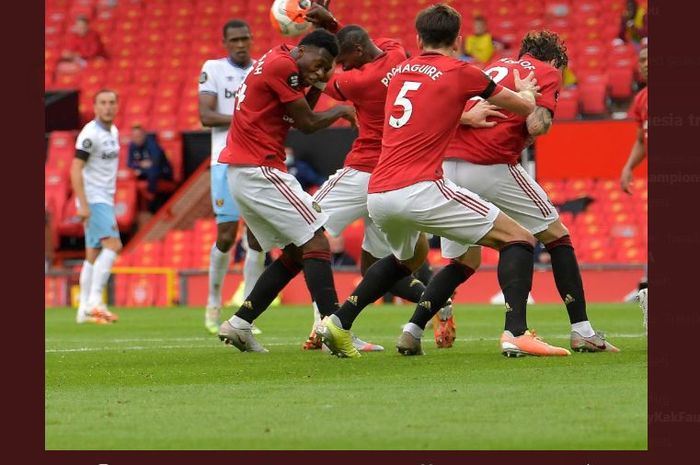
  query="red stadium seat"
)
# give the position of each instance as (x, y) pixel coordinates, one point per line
(567, 105)
(620, 81)
(593, 91)
(125, 204)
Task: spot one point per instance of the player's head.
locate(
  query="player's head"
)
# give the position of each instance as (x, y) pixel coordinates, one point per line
(545, 46)
(644, 63)
(315, 55)
(354, 45)
(480, 25)
(105, 105)
(138, 134)
(82, 25)
(438, 27)
(237, 41)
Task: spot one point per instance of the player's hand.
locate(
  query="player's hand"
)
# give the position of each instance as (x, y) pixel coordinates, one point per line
(527, 84)
(349, 115)
(626, 181)
(83, 213)
(320, 17)
(476, 116)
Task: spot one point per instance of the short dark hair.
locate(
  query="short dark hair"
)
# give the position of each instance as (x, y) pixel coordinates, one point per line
(481, 18)
(105, 91)
(232, 24)
(351, 36)
(545, 46)
(438, 25)
(322, 39)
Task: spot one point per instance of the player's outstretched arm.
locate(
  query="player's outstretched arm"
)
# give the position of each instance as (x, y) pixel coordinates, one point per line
(208, 115)
(637, 154)
(539, 121)
(307, 121)
(476, 116)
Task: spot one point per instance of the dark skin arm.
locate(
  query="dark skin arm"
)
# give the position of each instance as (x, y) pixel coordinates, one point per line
(208, 115)
(312, 97)
(307, 121)
(320, 16)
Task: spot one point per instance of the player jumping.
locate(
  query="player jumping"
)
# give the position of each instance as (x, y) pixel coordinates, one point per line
(275, 207)
(408, 194)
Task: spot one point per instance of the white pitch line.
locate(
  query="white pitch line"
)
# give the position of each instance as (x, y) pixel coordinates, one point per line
(287, 342)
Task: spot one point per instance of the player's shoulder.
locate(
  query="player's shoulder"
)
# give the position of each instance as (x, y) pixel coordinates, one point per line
(90, 128)
(214, 64)
(641, 98)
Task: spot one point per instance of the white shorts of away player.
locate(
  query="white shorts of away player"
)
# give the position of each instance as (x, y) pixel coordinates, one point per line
(509, 187)
(344, 199)
(437, 207)
(274, 206)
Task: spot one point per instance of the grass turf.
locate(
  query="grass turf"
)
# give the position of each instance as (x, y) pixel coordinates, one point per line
(157, 380)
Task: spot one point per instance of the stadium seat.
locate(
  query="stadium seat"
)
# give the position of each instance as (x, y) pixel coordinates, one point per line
(567, 105)
(593, 91)
(620, 82)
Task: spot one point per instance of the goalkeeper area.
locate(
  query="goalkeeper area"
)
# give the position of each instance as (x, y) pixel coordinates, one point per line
(157, 380)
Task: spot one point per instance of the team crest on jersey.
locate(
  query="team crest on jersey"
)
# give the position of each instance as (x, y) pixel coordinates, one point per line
(203, 77)
(293, 80)
(87, 143)
(316, 206)
(219, 203)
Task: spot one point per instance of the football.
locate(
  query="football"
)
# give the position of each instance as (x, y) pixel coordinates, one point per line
(288, 16)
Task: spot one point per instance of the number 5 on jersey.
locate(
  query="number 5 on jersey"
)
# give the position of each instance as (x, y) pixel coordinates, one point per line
(240, 95)
(403, 101)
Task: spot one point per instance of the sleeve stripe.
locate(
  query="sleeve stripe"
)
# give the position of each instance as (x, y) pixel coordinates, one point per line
(82, 154)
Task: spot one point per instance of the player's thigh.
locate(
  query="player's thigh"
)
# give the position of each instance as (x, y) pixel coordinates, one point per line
(343, 198)
(275, 207)
(225, 208)
(101, 225)
(388, 213)
(520, 197)
(374, 241)
(505, 230)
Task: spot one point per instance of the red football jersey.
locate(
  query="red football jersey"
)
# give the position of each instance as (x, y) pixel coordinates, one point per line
(425, 99)
(640, 113)
(259, 126)
(366, 88)
(504, 142)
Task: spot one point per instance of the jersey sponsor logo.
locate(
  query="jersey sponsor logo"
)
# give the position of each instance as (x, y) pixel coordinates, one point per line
(87, 143)
(229, 93)
(293, 81)
(203, 77)
(109, 155)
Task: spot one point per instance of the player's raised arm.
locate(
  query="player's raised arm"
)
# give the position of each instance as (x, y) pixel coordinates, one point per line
(307, 121)
(521, 102)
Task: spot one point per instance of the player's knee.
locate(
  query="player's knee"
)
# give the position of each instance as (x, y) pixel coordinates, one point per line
(471, 258)
(113, 243)
(555, 231)
(317, 243)
(225, 236)
(420, 253)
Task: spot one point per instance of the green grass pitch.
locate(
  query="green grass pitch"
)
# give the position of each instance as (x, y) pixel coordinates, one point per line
(157, 380)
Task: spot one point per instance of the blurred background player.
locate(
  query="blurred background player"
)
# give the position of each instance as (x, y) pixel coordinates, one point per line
(93, 177)
(407, 194)
(275, 207)
(218, 83)
(485, 161)
(479, 46)
(639, 151)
